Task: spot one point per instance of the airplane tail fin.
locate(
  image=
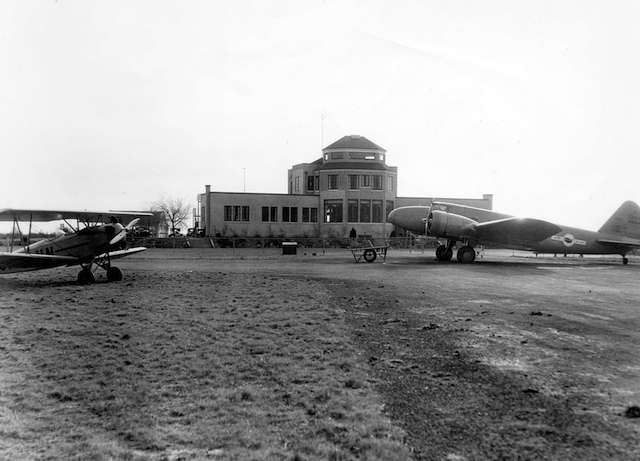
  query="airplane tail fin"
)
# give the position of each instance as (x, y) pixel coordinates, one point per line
(625, 221)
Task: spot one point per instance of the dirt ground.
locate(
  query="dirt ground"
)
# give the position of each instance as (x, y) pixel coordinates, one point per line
(202, 354)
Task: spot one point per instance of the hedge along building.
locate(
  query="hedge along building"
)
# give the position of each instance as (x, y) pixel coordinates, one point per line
(349, 187)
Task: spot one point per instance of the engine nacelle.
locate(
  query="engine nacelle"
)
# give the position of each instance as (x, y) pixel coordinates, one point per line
(448, 225)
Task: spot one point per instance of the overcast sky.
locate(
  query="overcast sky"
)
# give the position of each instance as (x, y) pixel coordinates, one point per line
(113, 104)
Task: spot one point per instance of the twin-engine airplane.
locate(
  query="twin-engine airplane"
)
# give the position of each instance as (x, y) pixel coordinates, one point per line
(474, 226)
(91, 243)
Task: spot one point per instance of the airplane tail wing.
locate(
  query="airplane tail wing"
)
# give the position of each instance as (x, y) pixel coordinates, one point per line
(625, 221)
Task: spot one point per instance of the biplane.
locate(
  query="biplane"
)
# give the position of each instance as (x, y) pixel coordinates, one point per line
(90, 240)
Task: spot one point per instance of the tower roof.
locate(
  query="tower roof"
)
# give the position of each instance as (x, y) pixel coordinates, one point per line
(354, 141)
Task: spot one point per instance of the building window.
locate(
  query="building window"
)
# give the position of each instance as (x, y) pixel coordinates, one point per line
(333, 181)
(352, 211)
(381, 157)
(317, 182)
(297, 184)
(326, 157)
(365, 210)
(376, 211)
(390, 183)
(289, 214)
(310, 182)
(377, 182)
(333, 211)
(265, 214)
(337, 155)
(236, 213)
(353, 181)
(357, 155)
(389, 208)
(310, 214)
(274, 214)
(366, 180)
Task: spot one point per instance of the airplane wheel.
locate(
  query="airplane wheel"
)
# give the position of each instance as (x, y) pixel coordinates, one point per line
(625, 260)
(443, 253)
(466, 255)
(114, 274)
(85, 277)
(369, 255)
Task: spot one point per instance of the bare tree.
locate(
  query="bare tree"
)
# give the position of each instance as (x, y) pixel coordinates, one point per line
(175, 211)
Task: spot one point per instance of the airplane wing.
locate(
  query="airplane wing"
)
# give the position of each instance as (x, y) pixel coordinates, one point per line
(121, 253)
(22, 262)
(515, 230)
(9, 214)
(625, 241)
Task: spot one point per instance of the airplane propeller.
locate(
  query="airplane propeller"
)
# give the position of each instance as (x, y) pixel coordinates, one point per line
(121, 231)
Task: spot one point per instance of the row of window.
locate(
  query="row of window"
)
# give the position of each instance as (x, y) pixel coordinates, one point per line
(236, 213)
(354, 156)
(270, 214)
(358, 211)
(358, 181)
(354, 181)
(289, 214)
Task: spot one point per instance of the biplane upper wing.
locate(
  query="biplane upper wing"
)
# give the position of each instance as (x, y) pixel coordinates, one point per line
(11, 214)
(22, 262)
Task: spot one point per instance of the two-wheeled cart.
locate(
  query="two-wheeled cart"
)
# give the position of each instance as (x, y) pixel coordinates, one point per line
(369, 253)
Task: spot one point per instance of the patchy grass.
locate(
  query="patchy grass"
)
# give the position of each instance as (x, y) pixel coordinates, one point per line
(184, 366)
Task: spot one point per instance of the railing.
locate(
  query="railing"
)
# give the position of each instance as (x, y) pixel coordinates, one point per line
(276, 242)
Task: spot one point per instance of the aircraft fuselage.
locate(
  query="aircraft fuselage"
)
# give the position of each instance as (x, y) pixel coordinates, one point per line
(84, 245)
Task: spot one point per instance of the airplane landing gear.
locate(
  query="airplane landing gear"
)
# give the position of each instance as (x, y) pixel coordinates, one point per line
(114, 274)
(466, 254)
(625, 260)
(445, 252)
(85, 276)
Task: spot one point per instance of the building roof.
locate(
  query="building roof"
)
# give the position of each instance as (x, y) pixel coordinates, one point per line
(354, 141)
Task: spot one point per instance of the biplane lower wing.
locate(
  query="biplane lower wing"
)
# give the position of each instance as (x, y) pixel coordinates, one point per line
(22, 262)
(121, 253)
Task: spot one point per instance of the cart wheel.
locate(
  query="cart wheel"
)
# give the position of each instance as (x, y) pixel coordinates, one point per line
(369, 255)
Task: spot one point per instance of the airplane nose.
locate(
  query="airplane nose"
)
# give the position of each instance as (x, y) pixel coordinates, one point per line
(410, 218)
(113, 229)
(393, 216)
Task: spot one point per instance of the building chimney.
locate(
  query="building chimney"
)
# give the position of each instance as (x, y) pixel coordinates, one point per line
(488, 198)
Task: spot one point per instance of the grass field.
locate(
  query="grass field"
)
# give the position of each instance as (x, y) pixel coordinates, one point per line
(184, 366)
(199, 354)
